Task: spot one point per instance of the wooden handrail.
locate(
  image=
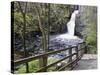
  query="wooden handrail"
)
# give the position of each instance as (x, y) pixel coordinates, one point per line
(69, 64)
(20, 61)
(31, 58)
(54, 63)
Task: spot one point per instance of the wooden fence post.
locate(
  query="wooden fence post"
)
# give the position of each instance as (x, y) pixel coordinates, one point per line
(82, 51)
(77, 54)
(43, 63)
(85, 48)
(27, 67)
(70, 53)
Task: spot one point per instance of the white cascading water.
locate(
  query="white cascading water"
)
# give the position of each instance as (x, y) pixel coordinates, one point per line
(63, 40)
(68, 38)
(71, 23)
(71, 28)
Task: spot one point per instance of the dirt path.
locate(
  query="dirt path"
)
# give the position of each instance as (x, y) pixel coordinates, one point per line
(88, 61)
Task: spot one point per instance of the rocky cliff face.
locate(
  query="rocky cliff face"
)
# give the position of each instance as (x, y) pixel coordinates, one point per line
(79, 26)
(87, 19)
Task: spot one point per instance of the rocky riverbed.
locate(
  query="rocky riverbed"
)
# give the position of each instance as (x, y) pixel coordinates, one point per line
(56, 42)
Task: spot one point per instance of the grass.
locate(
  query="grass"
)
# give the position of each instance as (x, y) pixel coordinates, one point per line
(50, 61)
(34, 65)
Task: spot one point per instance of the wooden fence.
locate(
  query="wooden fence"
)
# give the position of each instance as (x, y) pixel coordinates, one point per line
(79, 51)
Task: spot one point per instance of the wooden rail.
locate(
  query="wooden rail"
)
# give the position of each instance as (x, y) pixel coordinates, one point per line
(79, 51)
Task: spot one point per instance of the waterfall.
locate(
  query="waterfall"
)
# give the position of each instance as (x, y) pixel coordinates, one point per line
(71, 28)
(71, 23)
(62, 41)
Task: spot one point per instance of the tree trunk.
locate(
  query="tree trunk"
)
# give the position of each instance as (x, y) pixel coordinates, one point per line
(24, 31)
(42, 60)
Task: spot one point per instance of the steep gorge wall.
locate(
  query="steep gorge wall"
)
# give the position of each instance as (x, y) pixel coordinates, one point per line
(87, 19)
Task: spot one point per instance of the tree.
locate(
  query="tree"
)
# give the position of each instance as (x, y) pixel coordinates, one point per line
(42, 61)
(23, 12)
(89, 19)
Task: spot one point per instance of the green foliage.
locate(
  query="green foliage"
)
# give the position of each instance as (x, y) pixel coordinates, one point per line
(50, 61)
(58, 17)
(34, 65)
(31, 23)
(89, 18)
(22, 69)
(18, 22)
